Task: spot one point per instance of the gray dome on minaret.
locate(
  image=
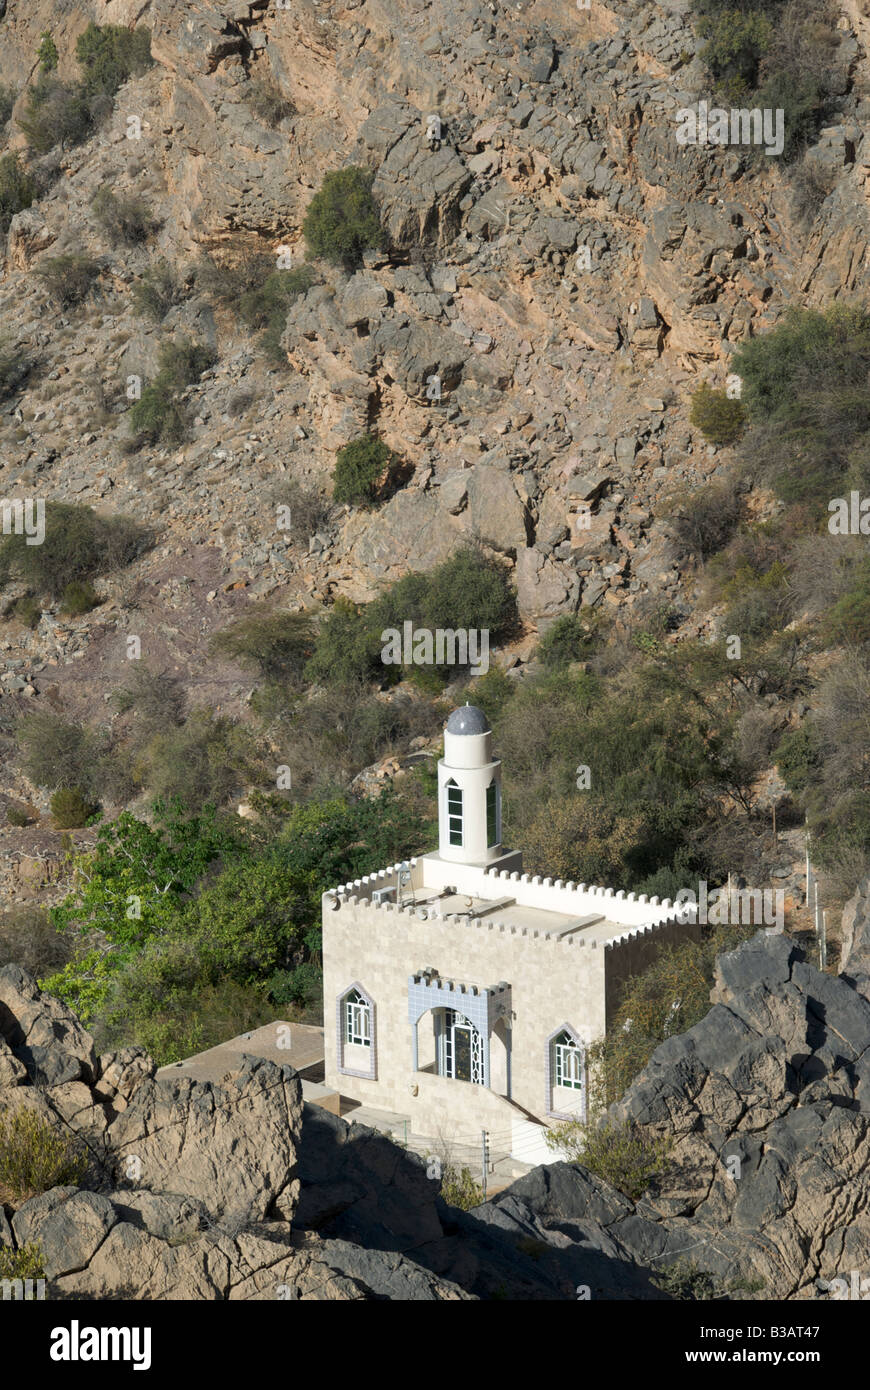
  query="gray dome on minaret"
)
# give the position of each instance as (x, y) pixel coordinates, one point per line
(468, 719)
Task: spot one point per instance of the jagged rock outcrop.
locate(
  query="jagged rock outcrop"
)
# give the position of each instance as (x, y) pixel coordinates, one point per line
(767, 1100)
(191, 1188)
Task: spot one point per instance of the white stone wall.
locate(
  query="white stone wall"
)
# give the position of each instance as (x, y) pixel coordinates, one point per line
(553, 983)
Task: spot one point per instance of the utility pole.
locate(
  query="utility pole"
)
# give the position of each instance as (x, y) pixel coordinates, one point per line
(823, 943)
(484, 1155)
(809, 872)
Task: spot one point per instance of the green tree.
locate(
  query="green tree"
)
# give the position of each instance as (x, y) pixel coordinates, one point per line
(572, 637)
(252, 921)
(346, 649)
(342, 220)
(131, 887)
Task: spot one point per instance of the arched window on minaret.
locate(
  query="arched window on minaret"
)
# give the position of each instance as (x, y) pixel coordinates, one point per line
(454, 812)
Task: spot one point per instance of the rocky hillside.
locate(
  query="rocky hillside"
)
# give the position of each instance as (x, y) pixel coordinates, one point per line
(561, 385)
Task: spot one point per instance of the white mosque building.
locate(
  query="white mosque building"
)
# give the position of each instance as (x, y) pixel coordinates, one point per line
(463, 994)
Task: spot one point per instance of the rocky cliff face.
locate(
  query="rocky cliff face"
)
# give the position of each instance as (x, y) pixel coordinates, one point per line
(570, 271)
(564, 268)
(236, 1190)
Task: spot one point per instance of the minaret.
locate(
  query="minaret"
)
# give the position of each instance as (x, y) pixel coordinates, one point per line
(469, 791)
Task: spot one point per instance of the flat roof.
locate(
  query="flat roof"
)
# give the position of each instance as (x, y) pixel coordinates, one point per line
(593, 927)
(305, 1050)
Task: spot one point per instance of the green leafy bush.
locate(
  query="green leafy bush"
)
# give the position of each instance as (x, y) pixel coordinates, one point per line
(570, 638)
(69, 279)
(737, 42)
(805, 388)
(17, 190)
(34, 1157)
(685, 1281)
(247, 283)
(301, 987)
(110, 54)
(227, 909)
(60, 113)
(278, 644)
(182, 362)
(782, 53)
(346, 649)
(250, 922)
(266, 305)
(56, 114)
(47, 54)
(267, 102)
(18, 816)
(758, 601)
(79, 544)
(466, 591)
(798, 758)
(159, 414)
(124, 219)
(342, 220)
(70, 809)
(802, 100)
(157, 418)
(366, 471)
(719, 419)
(26, 610)
(459, 1188)
(79, 597)
(626, 1156)
(24, 1263)
(166, 1002)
